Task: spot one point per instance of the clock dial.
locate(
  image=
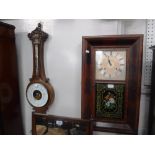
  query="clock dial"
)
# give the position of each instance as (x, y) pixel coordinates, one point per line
(37, 95)
(110, 64)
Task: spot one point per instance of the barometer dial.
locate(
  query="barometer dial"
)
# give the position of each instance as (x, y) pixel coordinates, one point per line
(37, 95)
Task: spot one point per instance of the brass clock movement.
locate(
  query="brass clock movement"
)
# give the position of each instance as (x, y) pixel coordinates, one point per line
(111, 82)
(39, 92)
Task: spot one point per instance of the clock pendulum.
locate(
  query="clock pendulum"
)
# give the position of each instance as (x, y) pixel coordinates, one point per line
(39, 92)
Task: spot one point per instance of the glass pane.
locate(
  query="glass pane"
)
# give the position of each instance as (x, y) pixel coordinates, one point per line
(109, 100)
(110, 64)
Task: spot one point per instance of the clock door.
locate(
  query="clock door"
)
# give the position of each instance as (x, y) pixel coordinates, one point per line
(111, 81)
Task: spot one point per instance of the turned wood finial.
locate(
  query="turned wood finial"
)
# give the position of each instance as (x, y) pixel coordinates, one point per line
(37, 35)
(39, 25)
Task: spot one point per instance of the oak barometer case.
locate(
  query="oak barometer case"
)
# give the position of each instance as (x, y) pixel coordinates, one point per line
(39, 92)
(111, 82)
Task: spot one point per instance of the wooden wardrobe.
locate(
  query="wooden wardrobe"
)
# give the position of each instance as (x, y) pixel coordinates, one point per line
(10, 108)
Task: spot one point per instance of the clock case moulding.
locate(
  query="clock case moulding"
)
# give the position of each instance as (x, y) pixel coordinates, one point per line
(38, 37)
(133, 44)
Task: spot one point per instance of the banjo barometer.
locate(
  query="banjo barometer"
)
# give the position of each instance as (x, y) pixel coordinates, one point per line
(39, 92)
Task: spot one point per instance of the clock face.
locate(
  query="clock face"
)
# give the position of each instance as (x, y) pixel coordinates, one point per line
(110, 64)
(37, 95)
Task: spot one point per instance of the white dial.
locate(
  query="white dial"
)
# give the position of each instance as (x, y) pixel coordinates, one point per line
(111, 64)
(37, 95)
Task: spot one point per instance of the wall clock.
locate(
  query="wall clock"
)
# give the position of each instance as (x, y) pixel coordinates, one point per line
(39, 92)
(111, 82)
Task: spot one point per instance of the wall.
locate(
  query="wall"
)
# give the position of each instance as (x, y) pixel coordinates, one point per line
(63, 61)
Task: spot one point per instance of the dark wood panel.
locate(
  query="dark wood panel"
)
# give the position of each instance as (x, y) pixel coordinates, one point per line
(49, 122)
(10, 108)
(151, 124)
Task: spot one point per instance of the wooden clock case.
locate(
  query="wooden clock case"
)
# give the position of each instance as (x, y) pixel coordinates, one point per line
(134, 45)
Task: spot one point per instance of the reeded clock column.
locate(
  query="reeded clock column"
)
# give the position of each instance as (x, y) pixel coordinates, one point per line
(39, 92)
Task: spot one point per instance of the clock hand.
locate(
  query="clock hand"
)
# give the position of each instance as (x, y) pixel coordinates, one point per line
(109, 62)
